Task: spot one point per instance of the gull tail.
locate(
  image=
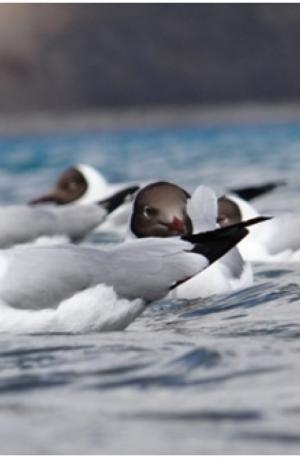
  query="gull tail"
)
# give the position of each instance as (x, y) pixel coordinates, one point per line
(214, 244)
(252, 192)
(118, 198)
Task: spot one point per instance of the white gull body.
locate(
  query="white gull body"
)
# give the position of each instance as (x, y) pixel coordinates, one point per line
(76, 289)
(275, 240)
(21, 224)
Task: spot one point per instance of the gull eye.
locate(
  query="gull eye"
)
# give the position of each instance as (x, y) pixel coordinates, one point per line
(149, 212)
(72, 185)
(69, 185)
(223, 221)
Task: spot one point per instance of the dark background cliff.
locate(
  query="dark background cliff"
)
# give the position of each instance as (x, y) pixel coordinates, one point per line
(78, 56)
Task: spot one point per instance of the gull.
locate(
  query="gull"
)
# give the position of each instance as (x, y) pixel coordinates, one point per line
(80, 289)
(163, 209)
(21, 224)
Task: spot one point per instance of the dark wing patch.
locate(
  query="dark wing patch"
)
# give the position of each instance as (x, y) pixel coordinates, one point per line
(214, 244)
(251, 192)
(118, 198)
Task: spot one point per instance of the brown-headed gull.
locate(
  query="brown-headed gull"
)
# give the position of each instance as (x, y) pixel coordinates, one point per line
(21, 224)
(163, 209)
(85, 184)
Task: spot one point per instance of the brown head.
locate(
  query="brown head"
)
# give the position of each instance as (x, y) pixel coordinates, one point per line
(228, 212)
(160, 211)
(70, 186)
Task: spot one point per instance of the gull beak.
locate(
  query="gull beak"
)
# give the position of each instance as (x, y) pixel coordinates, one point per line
(177, 225)
(51, 197)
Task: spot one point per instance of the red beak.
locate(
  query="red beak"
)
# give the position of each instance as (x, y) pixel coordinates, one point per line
(177, 225)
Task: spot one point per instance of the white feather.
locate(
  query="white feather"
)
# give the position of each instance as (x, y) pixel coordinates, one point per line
(203, 209)
(42, 277)
(276, 240)
(93, 310)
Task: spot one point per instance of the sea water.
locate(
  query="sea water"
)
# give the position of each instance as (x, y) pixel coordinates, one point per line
(217, 375)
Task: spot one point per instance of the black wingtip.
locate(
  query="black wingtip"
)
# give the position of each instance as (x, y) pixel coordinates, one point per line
(214, 244)
(252, 221)
(224, 230)
(252, 192)
(118, 198)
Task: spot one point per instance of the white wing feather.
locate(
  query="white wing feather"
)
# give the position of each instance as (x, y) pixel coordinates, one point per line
(203, 209)
(22, 224)
(41, 277)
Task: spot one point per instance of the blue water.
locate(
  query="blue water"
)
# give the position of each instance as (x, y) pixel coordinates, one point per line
(220, 375)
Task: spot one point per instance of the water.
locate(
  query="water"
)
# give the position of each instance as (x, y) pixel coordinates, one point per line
(220, 375)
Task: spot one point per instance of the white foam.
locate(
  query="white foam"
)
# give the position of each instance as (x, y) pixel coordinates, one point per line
(96, 309)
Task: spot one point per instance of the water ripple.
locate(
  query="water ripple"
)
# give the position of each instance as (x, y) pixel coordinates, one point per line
(215, 375)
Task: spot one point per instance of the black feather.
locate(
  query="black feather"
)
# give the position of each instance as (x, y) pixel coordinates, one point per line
(118, 198)
(252, 192)
(214, 244)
